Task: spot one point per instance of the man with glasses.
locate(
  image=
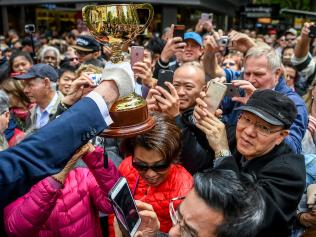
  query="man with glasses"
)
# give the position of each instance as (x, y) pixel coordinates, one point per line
(221, 204)
(257, 147)
(263, 70)
(88, 50)
(291, 37)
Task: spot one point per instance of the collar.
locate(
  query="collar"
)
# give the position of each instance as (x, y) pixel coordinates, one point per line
(49, 107)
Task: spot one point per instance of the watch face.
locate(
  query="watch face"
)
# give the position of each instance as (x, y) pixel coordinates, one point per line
(223, 153)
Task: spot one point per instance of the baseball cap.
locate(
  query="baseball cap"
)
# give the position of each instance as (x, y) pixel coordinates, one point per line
(194, 36)
(40, 70)
(271, 106)
(87, 44)
(291, 31)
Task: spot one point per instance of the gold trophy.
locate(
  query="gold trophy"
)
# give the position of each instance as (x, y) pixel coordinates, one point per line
(117, 25)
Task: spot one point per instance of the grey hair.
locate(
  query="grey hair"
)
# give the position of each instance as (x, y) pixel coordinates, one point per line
(50, 48)
(4, 102)
(273, 59)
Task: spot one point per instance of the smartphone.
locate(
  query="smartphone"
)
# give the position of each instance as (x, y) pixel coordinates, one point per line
(178, 31)
(232, 90)
(165, 75)
(214, 95)
(206, 17)
(312, 33)
(124, 208)
(95, 78)
(137, 54)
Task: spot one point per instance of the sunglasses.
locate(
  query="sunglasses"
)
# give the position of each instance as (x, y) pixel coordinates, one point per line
(73, 59)
(142, 167)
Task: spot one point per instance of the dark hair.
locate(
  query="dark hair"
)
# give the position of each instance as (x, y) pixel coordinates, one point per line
(285, 48)
(16, 54)
(164, 137)
(66, 68)
(237, 197)
(156, 45)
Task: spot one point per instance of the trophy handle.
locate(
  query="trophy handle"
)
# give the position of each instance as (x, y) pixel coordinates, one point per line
(150, 9)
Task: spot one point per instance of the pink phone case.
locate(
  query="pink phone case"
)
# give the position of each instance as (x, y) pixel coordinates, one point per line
(137, 54)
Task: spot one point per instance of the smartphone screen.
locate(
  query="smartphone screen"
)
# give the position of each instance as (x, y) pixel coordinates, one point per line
(137, 54)
(165, 75)
(124, 207)
(231, 91)
(178, 31)
(214, 95)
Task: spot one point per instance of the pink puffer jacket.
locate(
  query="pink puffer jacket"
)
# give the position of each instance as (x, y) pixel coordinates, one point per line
(50, 210)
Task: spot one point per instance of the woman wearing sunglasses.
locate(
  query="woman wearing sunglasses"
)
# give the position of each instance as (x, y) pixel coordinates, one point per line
(151, 170)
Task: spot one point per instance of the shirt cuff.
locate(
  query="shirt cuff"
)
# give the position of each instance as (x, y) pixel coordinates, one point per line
(102, 106)
(297, 61)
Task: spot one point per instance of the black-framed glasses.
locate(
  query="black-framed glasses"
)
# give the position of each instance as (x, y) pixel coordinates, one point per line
(143, 167)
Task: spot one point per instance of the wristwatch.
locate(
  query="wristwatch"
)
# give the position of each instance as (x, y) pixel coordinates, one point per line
(222, 153)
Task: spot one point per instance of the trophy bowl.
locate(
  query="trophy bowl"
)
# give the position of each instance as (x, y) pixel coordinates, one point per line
(116, 25)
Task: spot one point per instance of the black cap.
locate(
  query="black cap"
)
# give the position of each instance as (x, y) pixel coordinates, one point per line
(40, 70)
(272, 106)
(87, 44)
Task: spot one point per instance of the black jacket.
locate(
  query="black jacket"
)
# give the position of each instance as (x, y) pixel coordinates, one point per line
(280, 175)
(196, 155)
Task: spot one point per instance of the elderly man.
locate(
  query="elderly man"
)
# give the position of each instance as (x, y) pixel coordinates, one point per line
(262, 70)
(188, 49)
(259, 149)
(47, 151)
(40, 88)
(188, 82)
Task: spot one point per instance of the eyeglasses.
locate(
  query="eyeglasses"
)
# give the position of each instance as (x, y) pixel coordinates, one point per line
(176, 219)
(244, 120)
(290, 39)
(230, 64)
(142, 167)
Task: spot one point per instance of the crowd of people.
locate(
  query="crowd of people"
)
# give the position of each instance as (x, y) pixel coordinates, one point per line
(246, 170)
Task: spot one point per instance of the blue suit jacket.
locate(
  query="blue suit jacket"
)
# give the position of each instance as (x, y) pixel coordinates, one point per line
(48, 150)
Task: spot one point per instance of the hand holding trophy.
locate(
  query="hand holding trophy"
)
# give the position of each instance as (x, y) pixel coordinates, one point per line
(117, 25)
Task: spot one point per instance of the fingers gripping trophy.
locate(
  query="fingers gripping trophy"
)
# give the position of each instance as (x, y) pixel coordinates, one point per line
(117, 25)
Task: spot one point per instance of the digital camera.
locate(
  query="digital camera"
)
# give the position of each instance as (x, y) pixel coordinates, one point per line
(223, 41)
(29, 28)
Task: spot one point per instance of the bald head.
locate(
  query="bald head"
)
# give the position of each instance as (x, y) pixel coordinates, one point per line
(189, 80)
